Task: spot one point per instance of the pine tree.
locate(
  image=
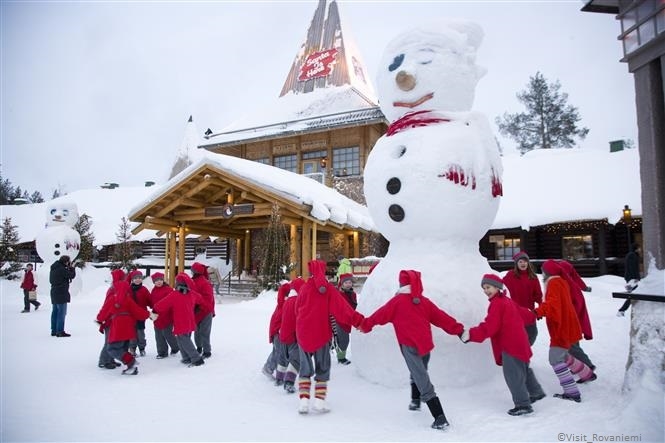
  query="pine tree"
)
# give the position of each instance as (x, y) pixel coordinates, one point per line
(8, 253)
(549, 122)
(275, 263)
(122, 253)
(36, 197)
(83, 226)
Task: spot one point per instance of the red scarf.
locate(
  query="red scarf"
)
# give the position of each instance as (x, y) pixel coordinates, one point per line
(413, 120)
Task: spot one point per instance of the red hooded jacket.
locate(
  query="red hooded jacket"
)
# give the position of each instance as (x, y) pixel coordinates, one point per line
(203, 287)
(287, 330)
(157, 294)
(276, 317)
(576, 285)
(412, 315)
(559, 313)
(181, 306)
(316, 300)
(28, 282)
(121, 313)
(504, 326)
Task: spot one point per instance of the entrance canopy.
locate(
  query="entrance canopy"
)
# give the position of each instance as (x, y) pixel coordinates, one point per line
(224, 196)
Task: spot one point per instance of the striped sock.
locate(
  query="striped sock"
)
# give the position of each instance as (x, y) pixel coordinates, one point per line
(578, 368)
(304, 385)
(566, 379)
(320, 389)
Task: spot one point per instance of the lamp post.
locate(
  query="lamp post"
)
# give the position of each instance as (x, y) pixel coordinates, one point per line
(627, 217)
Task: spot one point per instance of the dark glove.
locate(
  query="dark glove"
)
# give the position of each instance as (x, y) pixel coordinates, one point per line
(464, 336)
(587, 289)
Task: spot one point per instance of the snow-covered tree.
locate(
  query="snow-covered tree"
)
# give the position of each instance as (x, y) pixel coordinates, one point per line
(275, 264)
(549, 121)
(8, 254)
(83, 226)
(122, 253)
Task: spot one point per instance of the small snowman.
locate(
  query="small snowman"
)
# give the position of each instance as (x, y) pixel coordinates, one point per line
(58, 238)
(433, 186)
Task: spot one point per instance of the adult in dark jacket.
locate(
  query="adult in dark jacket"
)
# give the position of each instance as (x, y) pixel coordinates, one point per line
(631, 274)
(62, 273)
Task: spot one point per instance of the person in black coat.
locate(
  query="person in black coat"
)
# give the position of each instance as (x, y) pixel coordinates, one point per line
(631, 274)
(62, 273)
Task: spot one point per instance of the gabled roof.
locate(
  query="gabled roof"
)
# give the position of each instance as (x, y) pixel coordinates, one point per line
(327, 87)
(198, 193)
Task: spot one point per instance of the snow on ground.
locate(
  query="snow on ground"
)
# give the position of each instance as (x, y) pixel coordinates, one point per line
(52, 389)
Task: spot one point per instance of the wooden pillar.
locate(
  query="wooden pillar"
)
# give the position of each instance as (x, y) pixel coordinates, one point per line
(172, 256)
(346, 250)
(314, 241)
(181, 248)
(293, 249)
(167, 243)
(247, 249)
(356, 244)
(602, 249)
(306, 247)
(239, 263)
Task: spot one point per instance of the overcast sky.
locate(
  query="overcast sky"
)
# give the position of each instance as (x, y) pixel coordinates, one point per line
(98, 92)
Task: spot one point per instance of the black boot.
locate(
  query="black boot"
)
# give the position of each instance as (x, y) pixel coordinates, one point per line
(415, 398)
(436, 409)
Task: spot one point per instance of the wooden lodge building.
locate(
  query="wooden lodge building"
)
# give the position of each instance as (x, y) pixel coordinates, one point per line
(322, 127)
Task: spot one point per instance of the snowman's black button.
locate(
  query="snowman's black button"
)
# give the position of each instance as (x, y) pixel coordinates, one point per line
(396, 213)
(394, 185)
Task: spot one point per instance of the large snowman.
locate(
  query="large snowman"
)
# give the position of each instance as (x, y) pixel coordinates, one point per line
(57, 239)
(433, 185)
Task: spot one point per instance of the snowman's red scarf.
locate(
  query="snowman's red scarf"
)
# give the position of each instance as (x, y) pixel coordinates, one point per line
(414, 120)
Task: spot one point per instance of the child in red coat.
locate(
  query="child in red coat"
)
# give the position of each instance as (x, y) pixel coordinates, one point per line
(106, 360)
(317, 300)
(180, 304)
(289, 355)
(164, 324)
(121, 312)
(504, 326)
(206, 311)
(343, 330)
(272, 363)
(564, 329)
(141, 297)
(412, 315)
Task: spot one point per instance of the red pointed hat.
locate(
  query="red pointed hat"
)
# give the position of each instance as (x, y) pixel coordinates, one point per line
(118, 275)
(550, 267)
(297, 283)
(411, 277)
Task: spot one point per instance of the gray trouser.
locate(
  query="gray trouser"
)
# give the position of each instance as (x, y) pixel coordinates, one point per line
(165, 338)
(320, 367)
(140, 340)
(418, 370)
(342, 343)
(515, 373)
(279, 351)
(202, 333)
(557, 355)
(292, 355)
(532, 333)
(187, 349)
(104, 356)
(117, 349)
(577, 352)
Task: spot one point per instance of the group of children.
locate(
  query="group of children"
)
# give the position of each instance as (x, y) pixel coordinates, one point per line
(176, 313)
(300, 325)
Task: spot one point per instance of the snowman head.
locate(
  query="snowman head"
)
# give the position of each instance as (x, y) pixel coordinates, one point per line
(430, 68)
(61, 214)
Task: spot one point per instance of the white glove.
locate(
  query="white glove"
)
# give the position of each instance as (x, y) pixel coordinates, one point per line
(465, 336)
(154, 316)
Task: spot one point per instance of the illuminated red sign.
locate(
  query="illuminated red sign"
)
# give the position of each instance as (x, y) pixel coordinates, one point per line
(317, 64)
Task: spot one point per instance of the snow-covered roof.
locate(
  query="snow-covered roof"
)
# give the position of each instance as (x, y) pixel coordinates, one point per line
(539, 188)
(295, 113)
(326, 203)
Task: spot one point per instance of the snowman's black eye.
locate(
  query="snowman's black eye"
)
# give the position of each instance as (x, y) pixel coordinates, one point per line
(397, 62)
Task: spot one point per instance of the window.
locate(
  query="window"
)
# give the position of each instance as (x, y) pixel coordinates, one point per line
(346, 161)
(288, 162)
(506, 248)
(264, 160)
(576, 247)
(640, 24)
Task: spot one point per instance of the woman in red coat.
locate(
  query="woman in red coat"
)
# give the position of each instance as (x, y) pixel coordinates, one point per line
(524, 288)
(504, 326)
(564, 330)
(412, 315)
(181, 304)
(206, 311)
(317, 300)
(28, 284)
(122, 313)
